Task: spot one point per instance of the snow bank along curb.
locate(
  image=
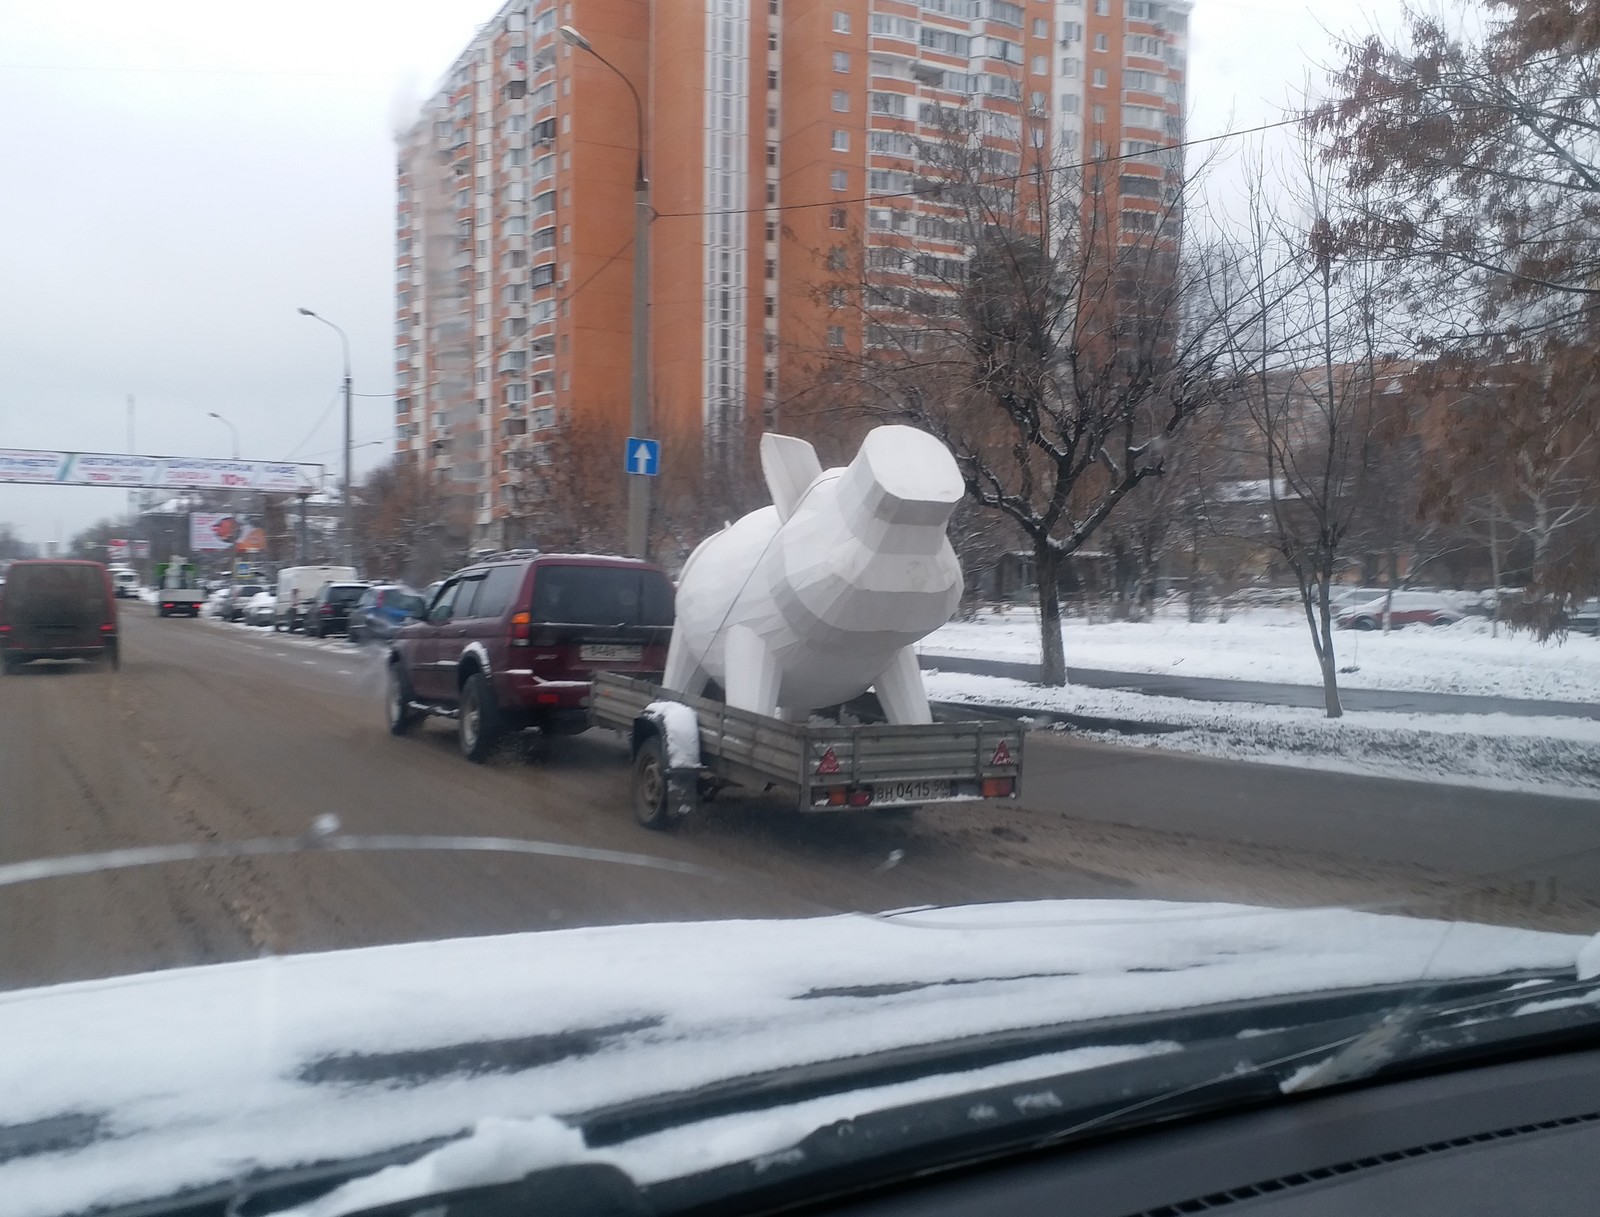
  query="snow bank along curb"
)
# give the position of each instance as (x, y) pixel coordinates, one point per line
(1542, 755)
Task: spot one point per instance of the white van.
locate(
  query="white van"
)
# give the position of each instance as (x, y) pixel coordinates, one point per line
(297, 584)
(124, 582)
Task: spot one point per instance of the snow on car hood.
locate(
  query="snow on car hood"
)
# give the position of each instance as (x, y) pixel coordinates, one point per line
(168, 1080)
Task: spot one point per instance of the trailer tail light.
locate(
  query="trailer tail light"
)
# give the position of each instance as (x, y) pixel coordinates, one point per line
(998, 788)
(860, 796)
(833, 796)
(521, 629)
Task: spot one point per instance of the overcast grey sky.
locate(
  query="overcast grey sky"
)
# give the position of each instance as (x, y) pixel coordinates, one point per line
(182, 174)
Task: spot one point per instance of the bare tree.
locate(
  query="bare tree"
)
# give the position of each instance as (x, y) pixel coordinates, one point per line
(1316, 400)
(1058, 349)
(409, 526)
(1475, 149)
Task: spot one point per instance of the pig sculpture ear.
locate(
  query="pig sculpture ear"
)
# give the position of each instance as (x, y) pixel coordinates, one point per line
(789, 465)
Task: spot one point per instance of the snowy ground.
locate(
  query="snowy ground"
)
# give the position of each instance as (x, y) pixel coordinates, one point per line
(1559, 756)
(1273, 644)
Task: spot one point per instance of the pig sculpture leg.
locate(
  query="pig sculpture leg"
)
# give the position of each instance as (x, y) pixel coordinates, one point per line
(900, 690)
(752, 672)
(684, 673)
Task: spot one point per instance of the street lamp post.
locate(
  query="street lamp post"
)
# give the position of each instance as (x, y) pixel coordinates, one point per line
(233, 496)
(346, 519)
(639, 397)
(230, 427)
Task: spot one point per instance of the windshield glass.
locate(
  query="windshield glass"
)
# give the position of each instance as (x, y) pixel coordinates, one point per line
(697, 590)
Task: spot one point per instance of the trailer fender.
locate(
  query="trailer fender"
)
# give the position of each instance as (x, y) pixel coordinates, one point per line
(678, 728)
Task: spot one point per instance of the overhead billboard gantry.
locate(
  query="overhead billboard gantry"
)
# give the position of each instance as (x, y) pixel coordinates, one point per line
(130, 472)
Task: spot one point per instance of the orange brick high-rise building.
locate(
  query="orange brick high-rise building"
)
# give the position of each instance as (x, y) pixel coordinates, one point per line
(776, 132)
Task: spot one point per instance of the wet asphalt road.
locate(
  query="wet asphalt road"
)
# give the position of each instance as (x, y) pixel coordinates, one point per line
(215, 733)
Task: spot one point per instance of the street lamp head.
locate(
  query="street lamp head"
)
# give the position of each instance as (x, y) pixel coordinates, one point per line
(305, 312)
(576, 39)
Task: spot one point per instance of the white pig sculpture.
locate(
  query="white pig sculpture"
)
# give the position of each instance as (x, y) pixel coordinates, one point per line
(821, 596)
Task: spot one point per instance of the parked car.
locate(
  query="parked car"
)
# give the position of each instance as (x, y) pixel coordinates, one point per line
(297, 586)
(57, 610)
(383, 609)
(329, 610)
(1407, 608)
(263, 605)
(1585, 618)
(233, 607)
(513, 644)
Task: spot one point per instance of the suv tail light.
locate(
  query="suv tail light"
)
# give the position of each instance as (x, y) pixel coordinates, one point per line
(521, 629)
(327, 610)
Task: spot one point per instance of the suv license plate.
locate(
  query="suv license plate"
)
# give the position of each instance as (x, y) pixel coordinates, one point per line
(610, 653)
(923, 791)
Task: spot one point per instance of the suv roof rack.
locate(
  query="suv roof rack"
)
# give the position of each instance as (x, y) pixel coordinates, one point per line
(506, 555)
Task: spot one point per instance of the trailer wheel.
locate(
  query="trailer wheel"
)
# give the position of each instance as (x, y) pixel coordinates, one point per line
(650, 784)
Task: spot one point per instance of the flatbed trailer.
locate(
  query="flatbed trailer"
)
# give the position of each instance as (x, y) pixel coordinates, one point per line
(686, 748)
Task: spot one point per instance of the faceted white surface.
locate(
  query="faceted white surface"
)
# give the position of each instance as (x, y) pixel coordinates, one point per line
(818, 598)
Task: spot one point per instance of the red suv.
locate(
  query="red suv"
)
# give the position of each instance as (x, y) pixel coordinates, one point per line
(513, 642)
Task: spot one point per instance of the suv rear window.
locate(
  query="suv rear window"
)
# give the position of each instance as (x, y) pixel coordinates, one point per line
(55, 594)
(601, 595)
(345, 593)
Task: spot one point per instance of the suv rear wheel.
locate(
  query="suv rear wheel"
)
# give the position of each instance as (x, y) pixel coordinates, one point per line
(477, 719)
(397, 702)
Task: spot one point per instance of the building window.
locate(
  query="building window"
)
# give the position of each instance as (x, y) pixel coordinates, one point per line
(841, 102)
(1041, 65)
(839, 179)
(841, 22)
(1102, 43)
(1041, 27)
(841, 140)
(836, 258)
(772, 42)
(1071, 67)
(770, 307)
(838, 218)
(836, 297)
(836, 335)
(1099, 78)
(1098, 114)
(772, 154)
(841, 61)
(772, 192)
(772, 268)
(772, 230)
(772, 78)
(772, 118)
(1102, 8)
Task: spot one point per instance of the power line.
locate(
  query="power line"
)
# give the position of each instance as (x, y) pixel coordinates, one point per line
(998, 180)
(317, 426)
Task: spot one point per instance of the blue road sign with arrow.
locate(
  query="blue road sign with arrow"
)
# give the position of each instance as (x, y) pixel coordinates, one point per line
(642, 456)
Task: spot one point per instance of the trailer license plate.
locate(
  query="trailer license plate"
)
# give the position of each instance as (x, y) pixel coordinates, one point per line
(925, 790)
(600, 652)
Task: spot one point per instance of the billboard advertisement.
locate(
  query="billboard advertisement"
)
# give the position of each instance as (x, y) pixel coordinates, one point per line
(211, 530)
(156, 472)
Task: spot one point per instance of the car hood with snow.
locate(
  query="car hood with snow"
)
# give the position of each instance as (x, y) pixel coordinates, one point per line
(149, 1085)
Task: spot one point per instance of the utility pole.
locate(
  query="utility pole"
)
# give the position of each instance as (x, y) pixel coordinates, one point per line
(639, 396)
(346, 518)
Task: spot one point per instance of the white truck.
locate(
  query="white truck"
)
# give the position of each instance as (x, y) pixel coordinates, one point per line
(296, 585)
(178, 588)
